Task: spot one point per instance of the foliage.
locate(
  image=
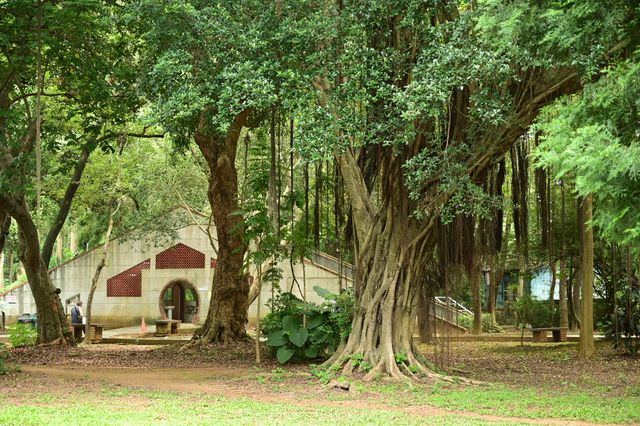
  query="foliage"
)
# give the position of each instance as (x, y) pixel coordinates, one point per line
(466, 321)
(148, 179)
(298, 330)
(324, 375)
(593, 140)
(3, 358)
(623, 324)
(536, 313)
(22, 335)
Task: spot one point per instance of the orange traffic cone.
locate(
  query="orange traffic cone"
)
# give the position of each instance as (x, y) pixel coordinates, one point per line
(143, 326)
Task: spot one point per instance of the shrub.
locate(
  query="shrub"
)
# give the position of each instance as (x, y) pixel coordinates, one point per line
(536, 313)
(22, 335)
(298, 330)
(3, 357)
(466, 321)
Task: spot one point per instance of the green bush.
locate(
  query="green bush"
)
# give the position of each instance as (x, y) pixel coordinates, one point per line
(3, 357)
(22, 335)
(296, 330)
(466, 321)
(536, 313)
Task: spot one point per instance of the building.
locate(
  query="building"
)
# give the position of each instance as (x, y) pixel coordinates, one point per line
(153, 278)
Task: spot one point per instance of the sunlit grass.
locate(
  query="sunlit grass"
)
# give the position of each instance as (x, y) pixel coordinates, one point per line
(152, 408)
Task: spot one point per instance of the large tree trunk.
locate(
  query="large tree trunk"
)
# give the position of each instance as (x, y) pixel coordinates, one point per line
(586, 347)
(391, 262)
(227, 315)
(384, 320)
(52, 324)
(425, 324)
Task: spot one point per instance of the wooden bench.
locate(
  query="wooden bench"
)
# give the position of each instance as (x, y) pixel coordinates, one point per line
(540, 334)
(96, 332)
(166, 327)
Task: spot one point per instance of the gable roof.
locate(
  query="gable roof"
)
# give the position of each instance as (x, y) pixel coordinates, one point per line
(193, 213)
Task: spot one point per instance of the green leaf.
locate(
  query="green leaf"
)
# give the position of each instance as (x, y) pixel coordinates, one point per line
(311, 352)
(284, 354)
(290, 324)
(277, 338)
(299, 336)
(316, 321)
(322, 292)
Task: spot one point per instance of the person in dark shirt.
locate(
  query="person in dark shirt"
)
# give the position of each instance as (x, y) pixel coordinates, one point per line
(76, 313)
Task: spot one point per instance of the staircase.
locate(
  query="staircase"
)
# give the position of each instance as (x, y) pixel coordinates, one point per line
(447, 312)
(333, 264)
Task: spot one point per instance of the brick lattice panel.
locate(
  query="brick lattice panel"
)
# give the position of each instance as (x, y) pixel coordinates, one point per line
(180, 256)
(214, 263)
(127, 283)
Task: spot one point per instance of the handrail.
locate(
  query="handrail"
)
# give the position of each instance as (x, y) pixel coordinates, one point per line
(449, 303)
(334, 264)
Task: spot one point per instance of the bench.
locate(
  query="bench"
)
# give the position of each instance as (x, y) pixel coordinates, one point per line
(540, 334)
(166, 327)
(96, 332)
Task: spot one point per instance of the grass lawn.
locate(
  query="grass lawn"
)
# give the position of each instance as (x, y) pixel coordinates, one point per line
(132, 406)
(115, 385)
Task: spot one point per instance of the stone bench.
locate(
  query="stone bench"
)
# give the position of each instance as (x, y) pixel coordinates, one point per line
(96, 332)
(540, 334)
(166, 327)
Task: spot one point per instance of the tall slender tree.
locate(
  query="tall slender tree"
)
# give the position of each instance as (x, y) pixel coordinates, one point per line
(52, 50)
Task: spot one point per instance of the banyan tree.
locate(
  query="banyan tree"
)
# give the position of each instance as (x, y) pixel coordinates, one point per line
(418, 101)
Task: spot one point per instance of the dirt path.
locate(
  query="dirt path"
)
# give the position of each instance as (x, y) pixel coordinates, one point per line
(236, 383)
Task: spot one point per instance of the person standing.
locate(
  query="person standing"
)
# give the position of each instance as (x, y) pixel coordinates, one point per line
(76, 313)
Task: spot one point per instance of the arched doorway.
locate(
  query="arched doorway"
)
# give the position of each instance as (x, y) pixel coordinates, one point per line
(183, 296)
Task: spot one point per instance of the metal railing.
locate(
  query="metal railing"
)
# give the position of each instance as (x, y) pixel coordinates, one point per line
(449, 310)
(333, 264)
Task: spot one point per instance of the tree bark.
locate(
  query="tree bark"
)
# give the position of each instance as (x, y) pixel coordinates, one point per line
(476, 282)
(492, 286)
(65, 206)
(577, 284)
(73, 239)
(5, 225)
(227, 316)
(586, 346)
(59, 248)
(52, 323)
(425, 324)
(384, 320)
(564, 312)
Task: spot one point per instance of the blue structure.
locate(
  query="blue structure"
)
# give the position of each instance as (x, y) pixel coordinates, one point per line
(538, 287)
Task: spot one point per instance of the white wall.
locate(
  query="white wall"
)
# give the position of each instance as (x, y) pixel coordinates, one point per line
(75, 276)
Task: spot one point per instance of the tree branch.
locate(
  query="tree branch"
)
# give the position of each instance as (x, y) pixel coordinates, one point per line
(24, 96)
(65, 206)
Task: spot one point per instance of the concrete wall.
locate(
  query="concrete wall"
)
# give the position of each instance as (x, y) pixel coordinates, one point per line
(315, 276)
(74, 277)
